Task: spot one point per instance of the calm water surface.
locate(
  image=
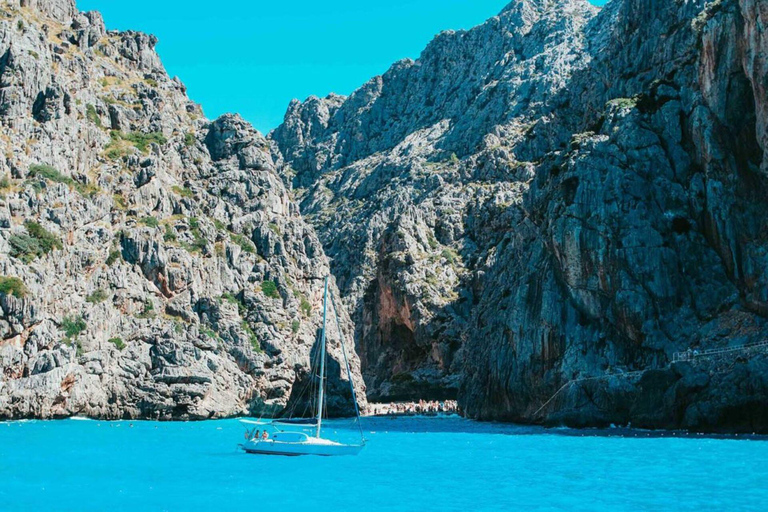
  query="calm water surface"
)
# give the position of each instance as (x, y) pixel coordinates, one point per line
(409, 464)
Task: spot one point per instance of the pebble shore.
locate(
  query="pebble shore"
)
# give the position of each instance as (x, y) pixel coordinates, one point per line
(422, 407)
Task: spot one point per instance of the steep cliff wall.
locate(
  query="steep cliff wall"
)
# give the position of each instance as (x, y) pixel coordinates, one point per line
(152, 263)
(585, 194)
(642, 236)
(409, 180)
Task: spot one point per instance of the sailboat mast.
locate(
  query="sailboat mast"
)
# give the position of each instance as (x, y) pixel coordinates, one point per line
(349, 370)
(321, 392)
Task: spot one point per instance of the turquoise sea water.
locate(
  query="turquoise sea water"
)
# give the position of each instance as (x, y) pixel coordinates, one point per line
(408, 464)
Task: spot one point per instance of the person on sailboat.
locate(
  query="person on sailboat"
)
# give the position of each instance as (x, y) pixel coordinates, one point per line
(265, 435)
(256, 435)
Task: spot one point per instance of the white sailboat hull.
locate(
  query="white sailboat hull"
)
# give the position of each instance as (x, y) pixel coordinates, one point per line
(309, 446)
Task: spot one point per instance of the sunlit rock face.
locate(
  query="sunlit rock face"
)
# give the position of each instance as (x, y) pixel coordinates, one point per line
(558, 193)
(163, 269)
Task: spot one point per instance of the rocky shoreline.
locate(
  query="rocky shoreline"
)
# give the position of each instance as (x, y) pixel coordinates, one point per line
(420, 408)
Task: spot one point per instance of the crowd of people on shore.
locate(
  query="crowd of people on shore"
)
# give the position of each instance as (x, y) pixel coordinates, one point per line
(422, 407)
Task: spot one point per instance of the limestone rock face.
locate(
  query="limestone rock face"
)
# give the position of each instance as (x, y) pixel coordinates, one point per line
(58, 10)
(410, 180)
(164, 269)
(559, 193)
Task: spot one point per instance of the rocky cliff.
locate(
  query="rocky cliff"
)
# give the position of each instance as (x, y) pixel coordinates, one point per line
(560, 193)
(152, 263)
(416, 169)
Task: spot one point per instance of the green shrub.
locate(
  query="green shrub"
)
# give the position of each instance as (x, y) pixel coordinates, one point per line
(36, 185)
(48, 241)
(114, 255)
(73, 326)
(49, 173)
(97, 296)
(245, 244)
(255, 343)
(275, 229)
(170, 234)
(182, 191)
(150, 221)
(5, 183)
(87, 190)
(270, 289)
(200, 242)
(306, 307)
(13, 286)
(148, 311)
(92, 115)
(118, 342)
(143, 140)
(115, 153)
(151, 82)
(38, 242)
(189, 139)
(140, 141)
(232, 299)
(24, 247)
(119, 201)
(451, 256)
(209, 332)
(295, 326)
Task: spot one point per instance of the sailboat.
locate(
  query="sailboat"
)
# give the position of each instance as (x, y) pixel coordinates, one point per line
(287, 437)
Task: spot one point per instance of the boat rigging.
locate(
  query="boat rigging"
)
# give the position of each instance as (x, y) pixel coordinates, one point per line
(296, 442)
